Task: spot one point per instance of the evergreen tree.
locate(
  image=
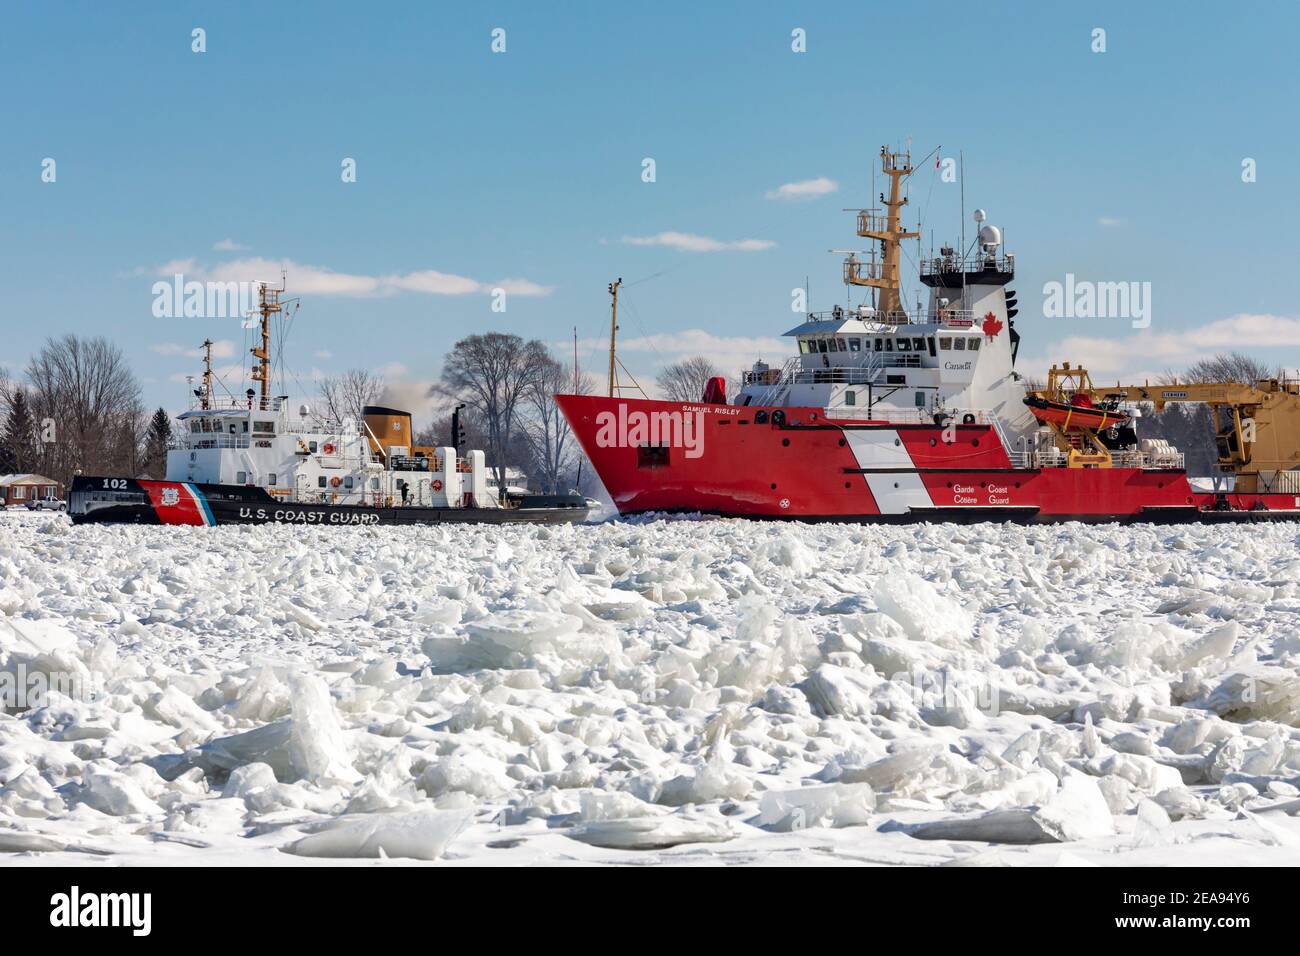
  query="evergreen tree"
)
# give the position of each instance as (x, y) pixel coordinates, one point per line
(19, 436)
(155, 444)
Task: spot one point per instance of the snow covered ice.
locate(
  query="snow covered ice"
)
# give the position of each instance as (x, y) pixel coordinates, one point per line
(679, 691)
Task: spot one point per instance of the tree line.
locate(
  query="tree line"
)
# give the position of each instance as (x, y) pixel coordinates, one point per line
(77, 407)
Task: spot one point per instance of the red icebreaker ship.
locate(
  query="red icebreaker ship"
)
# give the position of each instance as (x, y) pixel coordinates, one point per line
(895, 415)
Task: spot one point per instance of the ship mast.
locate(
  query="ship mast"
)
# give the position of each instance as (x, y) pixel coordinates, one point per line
(888, 230)
(268, 304)
(205, 400)
(613, 335)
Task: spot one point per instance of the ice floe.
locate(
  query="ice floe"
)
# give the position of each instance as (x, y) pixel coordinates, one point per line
(651, 689)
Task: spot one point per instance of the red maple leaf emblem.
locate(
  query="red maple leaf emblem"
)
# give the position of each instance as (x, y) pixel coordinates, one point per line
(991, 325)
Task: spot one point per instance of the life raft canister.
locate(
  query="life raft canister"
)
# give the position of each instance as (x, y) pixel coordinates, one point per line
(329, 448)
(335, 481)
(437, 485)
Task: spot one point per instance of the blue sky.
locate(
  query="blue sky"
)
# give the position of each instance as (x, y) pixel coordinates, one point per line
(474, 168)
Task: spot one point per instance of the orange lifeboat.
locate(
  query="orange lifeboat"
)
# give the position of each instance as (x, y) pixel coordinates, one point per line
(1078, 413)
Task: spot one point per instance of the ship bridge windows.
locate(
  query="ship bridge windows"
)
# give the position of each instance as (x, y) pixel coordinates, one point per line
(904, 344)
(264, 428)
(959, 344)
(974, 345)
(945, 344)
(918, 344)
(855, 345)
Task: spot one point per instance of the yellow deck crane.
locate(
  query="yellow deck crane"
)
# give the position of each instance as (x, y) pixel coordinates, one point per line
(1257, 426)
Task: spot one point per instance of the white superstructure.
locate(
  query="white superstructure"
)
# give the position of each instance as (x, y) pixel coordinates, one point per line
(310, 458)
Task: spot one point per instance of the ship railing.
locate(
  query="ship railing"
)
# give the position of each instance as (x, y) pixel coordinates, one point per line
(1055, 458)
(953, 318)
(195, 441)
(857, 272)
(941, 265)
(906, 416)
(306, 426)
(844, 375)
(235, 401)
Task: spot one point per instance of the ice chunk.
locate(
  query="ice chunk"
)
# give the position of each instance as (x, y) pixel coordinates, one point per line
(1077, 812)
(651, 833)
(317, 748)
(829, 805)
(1218, 643)
(923, 612)
(417, 834)
(1153, 827)
(1014, 826)
(114, 793)
(618, 805)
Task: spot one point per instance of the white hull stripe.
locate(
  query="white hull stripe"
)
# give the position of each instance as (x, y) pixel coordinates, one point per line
(200, 504)
(897, 491)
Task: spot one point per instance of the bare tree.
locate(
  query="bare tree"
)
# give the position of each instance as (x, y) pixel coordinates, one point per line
(684, 381)
(1229, 367)
(550, 441)
(492, 374)
(86, 404)
(347, 395)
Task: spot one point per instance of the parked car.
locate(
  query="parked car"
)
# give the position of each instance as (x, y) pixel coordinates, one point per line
(46, 504)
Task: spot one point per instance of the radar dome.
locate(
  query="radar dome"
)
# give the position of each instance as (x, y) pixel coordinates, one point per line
(990, 237)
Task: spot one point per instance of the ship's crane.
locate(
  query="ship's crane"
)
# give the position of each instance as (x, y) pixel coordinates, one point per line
(1257, 426)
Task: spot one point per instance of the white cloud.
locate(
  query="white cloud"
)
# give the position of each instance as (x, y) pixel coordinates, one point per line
(226, 377)
(804, 189)
(522, 287)
(318, 280)
(646, 355)
(221, 349)
(687, 242)
(323, 354)
(1148, 352)
(1110, 221)
(229, 245)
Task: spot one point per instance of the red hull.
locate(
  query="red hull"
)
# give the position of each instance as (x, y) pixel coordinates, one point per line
(725, 460)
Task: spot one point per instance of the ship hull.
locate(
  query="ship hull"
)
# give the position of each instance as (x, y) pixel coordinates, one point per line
(794, 464)
(99, 500)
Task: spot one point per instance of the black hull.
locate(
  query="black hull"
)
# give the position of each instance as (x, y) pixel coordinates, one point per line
(1024, 516)
(95, 500)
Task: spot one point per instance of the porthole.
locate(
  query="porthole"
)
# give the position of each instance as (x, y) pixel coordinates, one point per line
(975, 442)
(842, 442)
(933, 442)
(898, 441)
(774, 486)
(848, 484)
(785, 443)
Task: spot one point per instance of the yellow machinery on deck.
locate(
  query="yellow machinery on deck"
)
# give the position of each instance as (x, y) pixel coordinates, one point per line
(1256, 427)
